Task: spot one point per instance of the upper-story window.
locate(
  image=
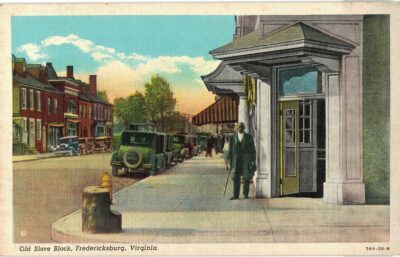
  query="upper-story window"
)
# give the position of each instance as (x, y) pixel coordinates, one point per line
(297, 81)
(48, 105)
(31, 100)
(23, 98)
(71, 106)
(95, 112)
(38, 101)
(55, 105)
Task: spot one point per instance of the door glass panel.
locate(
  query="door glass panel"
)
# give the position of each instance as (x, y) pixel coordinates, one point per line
(298, 81)
(288, 136)
(305, 121)
(290, 127)
(290, 167)
(307, 136)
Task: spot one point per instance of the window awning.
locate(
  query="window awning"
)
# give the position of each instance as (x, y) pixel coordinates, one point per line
(225, 110)
(73, 120)
(56, 124)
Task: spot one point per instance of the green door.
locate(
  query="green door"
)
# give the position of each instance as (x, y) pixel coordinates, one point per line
(289, 147)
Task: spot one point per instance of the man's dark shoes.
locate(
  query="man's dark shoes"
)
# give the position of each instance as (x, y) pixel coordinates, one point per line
(246, 197)
(234, 198)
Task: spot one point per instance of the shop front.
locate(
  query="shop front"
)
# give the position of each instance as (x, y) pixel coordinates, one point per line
(300, 98)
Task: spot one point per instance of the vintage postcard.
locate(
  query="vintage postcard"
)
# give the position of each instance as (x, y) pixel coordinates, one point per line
(199, 129)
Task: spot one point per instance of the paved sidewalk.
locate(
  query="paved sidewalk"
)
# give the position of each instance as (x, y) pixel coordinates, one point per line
(31, 157)
(185, 204)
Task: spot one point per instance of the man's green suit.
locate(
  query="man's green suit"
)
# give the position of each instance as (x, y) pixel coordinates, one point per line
(242, 160)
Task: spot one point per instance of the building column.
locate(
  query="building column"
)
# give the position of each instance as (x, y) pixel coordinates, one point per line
(344, 175)
(262, 178)
(243, 114)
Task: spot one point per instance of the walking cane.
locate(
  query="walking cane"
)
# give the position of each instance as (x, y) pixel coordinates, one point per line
(227, 179)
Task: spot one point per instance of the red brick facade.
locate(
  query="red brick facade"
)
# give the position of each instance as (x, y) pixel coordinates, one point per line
(47, 107)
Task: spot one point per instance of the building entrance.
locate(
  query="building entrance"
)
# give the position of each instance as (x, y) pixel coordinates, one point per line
(301, 147)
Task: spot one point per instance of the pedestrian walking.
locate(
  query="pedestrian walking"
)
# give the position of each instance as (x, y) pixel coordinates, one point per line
(220, 143)
(210, 145)
(242, 160)
(226, 152)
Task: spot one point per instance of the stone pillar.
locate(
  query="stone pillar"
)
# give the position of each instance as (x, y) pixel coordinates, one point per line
(97, 217)
(344, 174)
(263, 141)
(243, 114)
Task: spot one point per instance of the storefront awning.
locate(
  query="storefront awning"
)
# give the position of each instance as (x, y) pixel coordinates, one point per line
(73, 120)
(56, 124)
(225, 110)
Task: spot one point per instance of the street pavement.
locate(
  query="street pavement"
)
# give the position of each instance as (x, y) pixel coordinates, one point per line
(185, 204)
(47, 189)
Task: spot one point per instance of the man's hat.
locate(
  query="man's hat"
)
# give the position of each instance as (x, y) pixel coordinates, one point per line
(240, 125)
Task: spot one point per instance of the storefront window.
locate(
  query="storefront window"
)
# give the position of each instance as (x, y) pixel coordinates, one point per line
(71, 129)
(294, 81)
(38, 129)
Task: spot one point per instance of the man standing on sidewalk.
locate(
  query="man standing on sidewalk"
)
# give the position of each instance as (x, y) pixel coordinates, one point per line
(242, 159)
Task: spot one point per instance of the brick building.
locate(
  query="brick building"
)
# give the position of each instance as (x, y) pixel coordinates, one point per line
(47, 107)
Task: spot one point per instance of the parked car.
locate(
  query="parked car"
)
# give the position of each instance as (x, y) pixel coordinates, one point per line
(103, 144)
(139, 151)
(176, 152)
(190, 144)
(67, 145)
(179, 145)
(86, 145)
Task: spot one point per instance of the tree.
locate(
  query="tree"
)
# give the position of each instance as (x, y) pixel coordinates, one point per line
(103, 95)
(130, 109)
(175, 122)
(160, 101)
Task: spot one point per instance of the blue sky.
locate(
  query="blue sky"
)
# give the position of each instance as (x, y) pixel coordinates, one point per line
(124, 51)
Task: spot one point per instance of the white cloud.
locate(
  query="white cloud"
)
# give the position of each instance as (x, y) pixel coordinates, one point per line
(122, 74)
(98, 56)
(32, 51)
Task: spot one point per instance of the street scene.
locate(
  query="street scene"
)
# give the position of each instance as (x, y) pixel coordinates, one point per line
(43, 183)
(259, 130)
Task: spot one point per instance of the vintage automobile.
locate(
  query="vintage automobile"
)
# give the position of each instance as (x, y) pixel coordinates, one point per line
(67, 145)
(103, 144)
(191, 145)
(171, 147)
(141, 152)
(86, 145)
(179, 144)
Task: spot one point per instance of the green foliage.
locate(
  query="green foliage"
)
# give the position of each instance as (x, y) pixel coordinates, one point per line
(156, 106)
(160, 101)
(130, 109)
(175, 122)
(103, 95)
(376, 108)
(116, 142)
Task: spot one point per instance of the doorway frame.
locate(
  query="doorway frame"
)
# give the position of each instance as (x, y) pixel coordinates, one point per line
(275, 130)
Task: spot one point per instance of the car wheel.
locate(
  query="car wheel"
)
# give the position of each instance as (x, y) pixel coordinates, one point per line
(114, 171)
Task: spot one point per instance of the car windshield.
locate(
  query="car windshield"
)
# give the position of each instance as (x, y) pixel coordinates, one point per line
(137, 139)
(179, 139)
(67, 140)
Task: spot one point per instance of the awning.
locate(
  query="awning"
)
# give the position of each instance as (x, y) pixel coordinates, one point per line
(225, 110)
(56, 124)
(73, 120)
